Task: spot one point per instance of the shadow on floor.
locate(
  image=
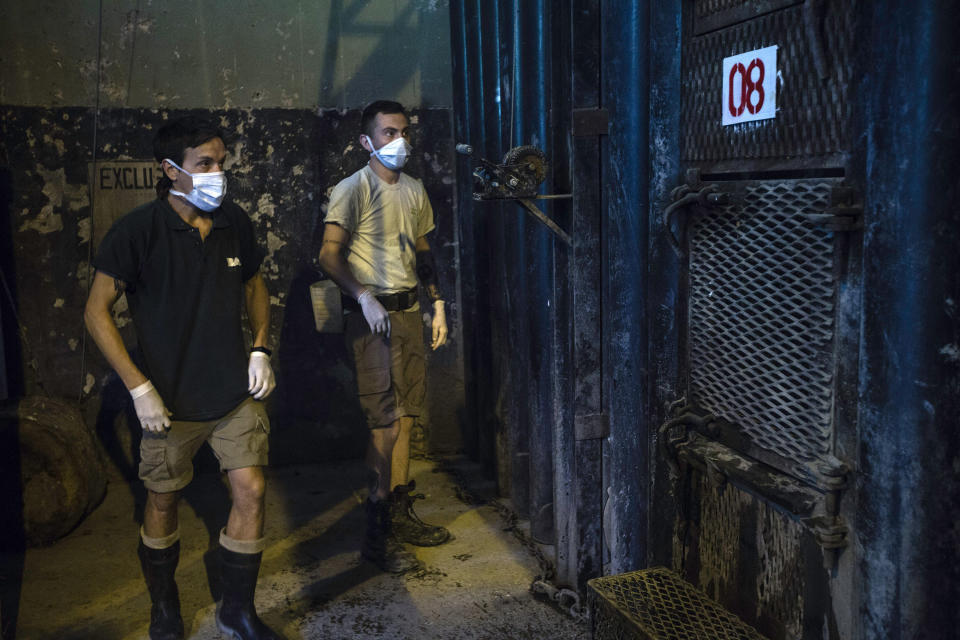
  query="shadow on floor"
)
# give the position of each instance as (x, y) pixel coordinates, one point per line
(313, 583)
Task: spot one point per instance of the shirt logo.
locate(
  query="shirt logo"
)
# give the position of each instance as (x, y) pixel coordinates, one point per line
(233, 262)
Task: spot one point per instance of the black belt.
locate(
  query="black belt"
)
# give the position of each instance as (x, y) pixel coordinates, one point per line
(391, 301)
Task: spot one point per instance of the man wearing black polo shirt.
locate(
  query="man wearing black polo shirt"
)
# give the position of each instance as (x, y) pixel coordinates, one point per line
(375, 248)
(185, 261)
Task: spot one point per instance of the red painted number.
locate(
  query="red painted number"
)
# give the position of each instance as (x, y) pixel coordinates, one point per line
(748, 88)
(735, 111)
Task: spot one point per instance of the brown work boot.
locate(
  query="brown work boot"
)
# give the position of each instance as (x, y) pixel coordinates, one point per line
(379, 547)
(407, 526)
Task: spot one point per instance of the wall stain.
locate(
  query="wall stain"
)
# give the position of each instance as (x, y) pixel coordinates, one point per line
(281, 166)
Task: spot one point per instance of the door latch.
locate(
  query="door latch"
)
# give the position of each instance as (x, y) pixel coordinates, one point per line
(845, 212)
(697, 200)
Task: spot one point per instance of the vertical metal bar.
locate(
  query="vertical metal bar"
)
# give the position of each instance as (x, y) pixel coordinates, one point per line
(579, 460)
(563, 441)
(662, 303)
(531, 89)
(462, 120)
(513, 284)
(626, 177)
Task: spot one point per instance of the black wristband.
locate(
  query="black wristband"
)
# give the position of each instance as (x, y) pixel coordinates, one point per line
(262, 350)
(427, 274)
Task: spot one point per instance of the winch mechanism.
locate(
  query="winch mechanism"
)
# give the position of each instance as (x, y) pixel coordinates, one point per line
(518, 177)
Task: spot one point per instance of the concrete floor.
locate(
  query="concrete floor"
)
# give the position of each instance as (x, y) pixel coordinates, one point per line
(313, 583)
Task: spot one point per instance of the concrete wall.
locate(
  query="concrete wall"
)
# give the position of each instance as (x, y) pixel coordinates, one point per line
(286, 80)
(247, 54)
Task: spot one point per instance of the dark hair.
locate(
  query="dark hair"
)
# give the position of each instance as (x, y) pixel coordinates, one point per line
(175, 137)
(380, 106)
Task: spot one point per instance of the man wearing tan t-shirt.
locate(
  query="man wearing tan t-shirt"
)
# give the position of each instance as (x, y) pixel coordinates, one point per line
(375, 249)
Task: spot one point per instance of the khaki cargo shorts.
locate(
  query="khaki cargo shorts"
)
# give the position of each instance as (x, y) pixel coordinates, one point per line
(238, 439)
(390, 371)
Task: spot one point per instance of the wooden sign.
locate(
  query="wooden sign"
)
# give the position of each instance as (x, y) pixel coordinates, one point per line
(117, 187)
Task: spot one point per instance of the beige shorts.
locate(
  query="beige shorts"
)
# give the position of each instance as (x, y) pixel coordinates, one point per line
(238, 439)
(390, 371)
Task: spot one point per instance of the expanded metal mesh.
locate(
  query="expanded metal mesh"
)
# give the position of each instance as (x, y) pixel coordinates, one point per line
(812, 112)
(721, 518)
(769, 545)
(733, 11)
(709, 7)
(657, 604)
(780, 576)
(761, 317)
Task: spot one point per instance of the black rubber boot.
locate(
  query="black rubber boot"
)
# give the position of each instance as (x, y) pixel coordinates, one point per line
(236, 617)
(158, 566)
(407, 526)
(379, 547)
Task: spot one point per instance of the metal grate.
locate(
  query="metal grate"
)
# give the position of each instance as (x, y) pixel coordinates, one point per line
(656, 604)
(709, 7)
(738, 531)
(811, 112)
(780, 575)
(761, 317)
(720, 519)
(731, 11)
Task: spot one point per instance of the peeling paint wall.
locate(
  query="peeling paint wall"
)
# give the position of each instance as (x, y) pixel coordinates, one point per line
(267, 75)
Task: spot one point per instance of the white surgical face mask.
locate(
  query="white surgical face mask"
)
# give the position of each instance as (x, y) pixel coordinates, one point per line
(208, 189)
(394, 154)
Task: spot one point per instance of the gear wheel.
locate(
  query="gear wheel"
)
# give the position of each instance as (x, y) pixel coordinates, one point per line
(527, 165)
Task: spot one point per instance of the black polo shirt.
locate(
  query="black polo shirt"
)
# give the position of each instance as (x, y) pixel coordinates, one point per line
(185, 296)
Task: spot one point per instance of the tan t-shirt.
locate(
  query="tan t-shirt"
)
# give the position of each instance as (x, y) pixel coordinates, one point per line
(384, 221)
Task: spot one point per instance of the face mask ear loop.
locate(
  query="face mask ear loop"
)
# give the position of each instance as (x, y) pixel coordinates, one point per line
(176, 166)
(181, 170)
(373, 149)
(375, 153)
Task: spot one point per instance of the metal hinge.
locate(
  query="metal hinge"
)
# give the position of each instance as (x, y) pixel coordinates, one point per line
(591, 426)
(590, 122)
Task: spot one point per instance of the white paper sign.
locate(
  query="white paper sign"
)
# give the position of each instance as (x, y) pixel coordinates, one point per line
(750, 86)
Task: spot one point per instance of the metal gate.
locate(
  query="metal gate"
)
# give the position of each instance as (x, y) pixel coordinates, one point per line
(761, 318)
(764, 222)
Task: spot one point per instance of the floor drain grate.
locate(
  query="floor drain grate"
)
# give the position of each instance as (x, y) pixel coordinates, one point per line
(656, 604)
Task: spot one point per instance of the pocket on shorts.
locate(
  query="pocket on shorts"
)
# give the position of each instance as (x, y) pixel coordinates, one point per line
(258, 440)
(263, 423)
(254, 428)
(153, 463)
(373, 381)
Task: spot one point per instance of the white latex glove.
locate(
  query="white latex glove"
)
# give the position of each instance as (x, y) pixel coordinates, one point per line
(375, 314)
(260, 374)
(439, 325)
(151, 411)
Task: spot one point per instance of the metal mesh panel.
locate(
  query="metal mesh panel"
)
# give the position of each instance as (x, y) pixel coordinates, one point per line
(721, 514)
(780, 579)
(658, 604)
(761, 317)
(716, 14)
(709, 7)
(811, 112)
(779, 585)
